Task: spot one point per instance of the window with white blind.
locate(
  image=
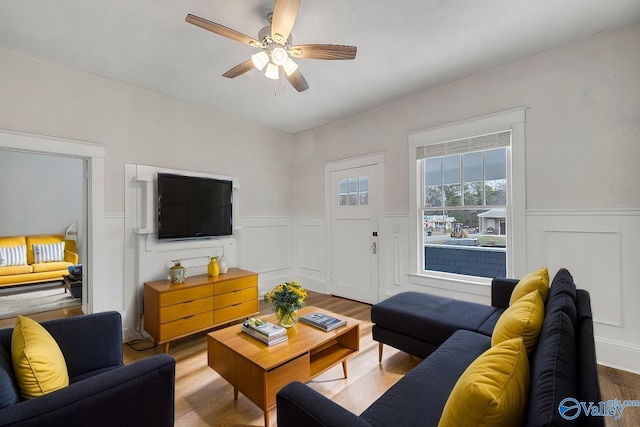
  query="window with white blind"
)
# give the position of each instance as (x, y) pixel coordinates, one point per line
(465, 201)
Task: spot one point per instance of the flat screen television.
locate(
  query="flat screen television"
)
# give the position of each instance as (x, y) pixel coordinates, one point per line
(193, 207)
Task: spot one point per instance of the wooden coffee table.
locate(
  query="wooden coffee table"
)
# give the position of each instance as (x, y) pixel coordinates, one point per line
(259, 371)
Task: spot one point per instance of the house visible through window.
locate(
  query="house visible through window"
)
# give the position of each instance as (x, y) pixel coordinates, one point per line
(464, 204)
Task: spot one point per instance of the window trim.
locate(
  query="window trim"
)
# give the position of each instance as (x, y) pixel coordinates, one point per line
(513, 119)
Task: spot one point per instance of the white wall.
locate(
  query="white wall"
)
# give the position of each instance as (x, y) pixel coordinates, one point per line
(141, 127)
(58, 182)
(582, 174)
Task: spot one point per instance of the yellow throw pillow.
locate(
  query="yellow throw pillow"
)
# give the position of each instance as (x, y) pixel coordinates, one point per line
(38, 362)
(538, 280)
(492, 391)
(523, 319)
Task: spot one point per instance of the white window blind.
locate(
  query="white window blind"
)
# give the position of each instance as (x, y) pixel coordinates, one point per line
(460, 146)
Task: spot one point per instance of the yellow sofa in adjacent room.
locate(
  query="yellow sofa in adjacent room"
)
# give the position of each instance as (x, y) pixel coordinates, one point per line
(21, 262)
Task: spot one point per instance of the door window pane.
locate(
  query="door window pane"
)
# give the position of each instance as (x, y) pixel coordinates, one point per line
(342, 192)
(353, 191)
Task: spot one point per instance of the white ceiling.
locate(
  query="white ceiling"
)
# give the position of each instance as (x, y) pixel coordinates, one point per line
(404, 46)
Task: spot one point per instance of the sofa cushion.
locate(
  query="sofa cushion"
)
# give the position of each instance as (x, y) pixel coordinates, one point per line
(553, 371)
(430, 318)
(562, 296)
(16, 269)
(8, 390)
(48, 252)
(38, 362)
(50, 266)
(43, 239)
(419, 397)
(589, 388)
(537, 280)
(13, 255)
(493, 390)
(522, 319)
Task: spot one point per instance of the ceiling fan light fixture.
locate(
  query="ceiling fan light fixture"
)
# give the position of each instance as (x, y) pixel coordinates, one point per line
(279, 55)
(272, 71)
(260, 60)
(289, 67)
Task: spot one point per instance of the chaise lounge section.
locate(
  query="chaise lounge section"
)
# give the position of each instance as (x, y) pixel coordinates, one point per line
(455, 338)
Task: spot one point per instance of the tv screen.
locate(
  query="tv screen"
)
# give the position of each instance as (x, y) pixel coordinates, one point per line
(193, 207)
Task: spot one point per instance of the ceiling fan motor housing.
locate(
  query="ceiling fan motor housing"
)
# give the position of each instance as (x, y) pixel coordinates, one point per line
(264, 36)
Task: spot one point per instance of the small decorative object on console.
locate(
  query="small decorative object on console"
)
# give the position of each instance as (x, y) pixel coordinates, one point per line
(177, 273)
(213, 269)
(223, 265)
(287, 299)
(323, 321)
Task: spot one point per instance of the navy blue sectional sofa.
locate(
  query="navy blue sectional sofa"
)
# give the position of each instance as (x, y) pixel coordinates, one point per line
(102, 391)
(449, 335)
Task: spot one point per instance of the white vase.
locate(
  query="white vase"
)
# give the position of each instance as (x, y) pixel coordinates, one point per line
(222, 263)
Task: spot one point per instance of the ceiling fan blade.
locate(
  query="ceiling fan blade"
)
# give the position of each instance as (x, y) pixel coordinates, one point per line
(222, 30)
(323, 51)
(284, 16)
(298, 81)
(239, 69)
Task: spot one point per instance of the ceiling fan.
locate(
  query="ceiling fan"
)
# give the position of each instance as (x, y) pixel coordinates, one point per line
(274, 42)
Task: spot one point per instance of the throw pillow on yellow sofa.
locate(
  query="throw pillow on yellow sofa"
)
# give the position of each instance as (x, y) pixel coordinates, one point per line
(523, 319)
(538, 280)
(492, 391)
(38, 362)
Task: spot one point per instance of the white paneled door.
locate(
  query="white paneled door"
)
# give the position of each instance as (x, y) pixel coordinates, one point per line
(354, 234)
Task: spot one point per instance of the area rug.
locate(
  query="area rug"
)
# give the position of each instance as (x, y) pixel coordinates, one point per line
(36, 302)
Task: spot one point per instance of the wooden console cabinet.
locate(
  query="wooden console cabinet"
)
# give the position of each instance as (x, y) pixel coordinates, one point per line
(177, 310)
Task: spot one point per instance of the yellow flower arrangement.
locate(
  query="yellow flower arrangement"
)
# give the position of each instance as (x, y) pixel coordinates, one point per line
(287, 297)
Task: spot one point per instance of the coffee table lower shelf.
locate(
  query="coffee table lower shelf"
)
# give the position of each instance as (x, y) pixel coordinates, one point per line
(259, 372)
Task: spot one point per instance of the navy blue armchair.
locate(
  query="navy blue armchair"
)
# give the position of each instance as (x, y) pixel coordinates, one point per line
(102, 390)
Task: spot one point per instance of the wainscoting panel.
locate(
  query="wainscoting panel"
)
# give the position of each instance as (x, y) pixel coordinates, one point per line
(266, 243)
(596, 265)
(308, 257)
(310, 247)
(601, 249)
(113, 298)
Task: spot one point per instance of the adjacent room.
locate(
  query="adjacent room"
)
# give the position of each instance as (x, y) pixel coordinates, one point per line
(179, 176)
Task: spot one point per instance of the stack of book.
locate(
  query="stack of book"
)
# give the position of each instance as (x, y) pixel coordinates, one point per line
(266, 332)
(323, 321)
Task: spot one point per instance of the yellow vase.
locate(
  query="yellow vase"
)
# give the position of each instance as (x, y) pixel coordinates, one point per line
(213, 269)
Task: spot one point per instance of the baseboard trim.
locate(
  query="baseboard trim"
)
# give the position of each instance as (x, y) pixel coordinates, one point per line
(618, 355)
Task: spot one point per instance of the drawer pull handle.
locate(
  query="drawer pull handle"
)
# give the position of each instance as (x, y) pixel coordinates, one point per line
(188, 317)
(235, 305)
(187, 302)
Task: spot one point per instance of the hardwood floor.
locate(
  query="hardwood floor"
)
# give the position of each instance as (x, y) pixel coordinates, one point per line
(203, 398)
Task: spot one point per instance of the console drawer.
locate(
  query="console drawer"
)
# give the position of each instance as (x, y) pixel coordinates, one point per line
(187, 308)
(186, 325)
(235, 311)
(231, 298)
(187, 294)
(235, 284)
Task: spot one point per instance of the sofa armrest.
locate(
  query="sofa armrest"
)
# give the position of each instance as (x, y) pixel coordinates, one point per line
(134, 395)
(71, 257)
(90, 342)
(501, 289)
(299, 405)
